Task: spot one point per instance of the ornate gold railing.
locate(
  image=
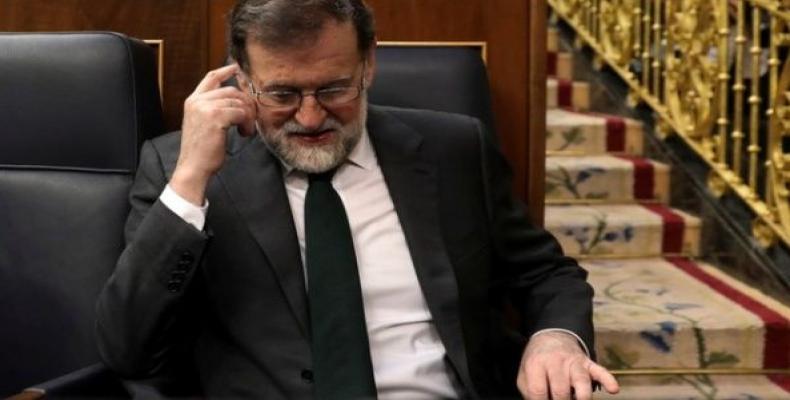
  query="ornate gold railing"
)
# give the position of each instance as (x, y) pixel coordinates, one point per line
(717, 73)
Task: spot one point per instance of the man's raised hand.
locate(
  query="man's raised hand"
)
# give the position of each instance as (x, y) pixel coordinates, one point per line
(208, 114)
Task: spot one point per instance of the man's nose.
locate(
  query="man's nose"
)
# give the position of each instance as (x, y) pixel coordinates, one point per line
(311, 114)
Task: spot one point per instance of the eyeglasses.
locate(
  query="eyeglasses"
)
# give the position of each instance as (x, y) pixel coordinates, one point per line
(291, 98)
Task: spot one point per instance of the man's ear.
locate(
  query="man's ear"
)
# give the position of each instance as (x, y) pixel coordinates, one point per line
(370, 62)
(241, 80)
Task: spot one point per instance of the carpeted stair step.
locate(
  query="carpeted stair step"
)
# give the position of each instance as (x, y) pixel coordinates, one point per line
(654, 309)
(605, 178)
(577, 133)
(552, 39)
(559, 64)
(567, 94)
(698, 387)
(669, 313)
(624, 230)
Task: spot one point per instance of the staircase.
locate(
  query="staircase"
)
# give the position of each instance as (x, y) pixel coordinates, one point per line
(671, 326)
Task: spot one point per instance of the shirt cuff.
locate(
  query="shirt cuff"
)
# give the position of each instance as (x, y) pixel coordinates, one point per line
(578, 339)
(190, 213)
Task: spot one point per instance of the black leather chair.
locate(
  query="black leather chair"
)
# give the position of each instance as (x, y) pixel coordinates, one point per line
(74, 110)
(437, 77)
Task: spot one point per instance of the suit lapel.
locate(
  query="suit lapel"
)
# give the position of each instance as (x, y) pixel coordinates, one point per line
(412, 183)
(254, 182)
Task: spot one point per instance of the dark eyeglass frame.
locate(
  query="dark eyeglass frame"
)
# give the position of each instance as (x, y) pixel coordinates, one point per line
(327, 97)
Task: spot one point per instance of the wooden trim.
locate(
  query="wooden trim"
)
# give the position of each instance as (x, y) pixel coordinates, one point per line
(159, 47)
(505, 26)
(217, 32)
(536, 112)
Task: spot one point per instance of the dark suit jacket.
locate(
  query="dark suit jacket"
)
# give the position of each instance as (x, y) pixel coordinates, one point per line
(232, 300)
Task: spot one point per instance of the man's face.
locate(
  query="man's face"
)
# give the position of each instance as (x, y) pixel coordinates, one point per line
(312, 137)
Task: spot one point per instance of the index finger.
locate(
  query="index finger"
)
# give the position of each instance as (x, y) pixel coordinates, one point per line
(600, 374)
(214, 78)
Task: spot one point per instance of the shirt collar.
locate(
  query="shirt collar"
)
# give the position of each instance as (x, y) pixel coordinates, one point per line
(363, 155)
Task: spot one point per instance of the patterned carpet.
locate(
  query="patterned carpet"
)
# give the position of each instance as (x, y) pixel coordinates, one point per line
(656, 307)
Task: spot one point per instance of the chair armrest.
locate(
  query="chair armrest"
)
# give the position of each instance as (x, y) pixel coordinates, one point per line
(93, 381)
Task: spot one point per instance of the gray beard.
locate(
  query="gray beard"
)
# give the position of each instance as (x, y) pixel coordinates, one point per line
(316, 159)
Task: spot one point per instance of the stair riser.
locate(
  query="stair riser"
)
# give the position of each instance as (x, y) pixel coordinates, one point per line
(559, 65)
(697, 387)
(605, 179)
(656, 313)
(564, 93)
(552, 40)
(578, 134)
(682, 350)
(622, 231)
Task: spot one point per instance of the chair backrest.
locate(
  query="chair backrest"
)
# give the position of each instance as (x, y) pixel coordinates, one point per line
(74, 110)
(439, 77)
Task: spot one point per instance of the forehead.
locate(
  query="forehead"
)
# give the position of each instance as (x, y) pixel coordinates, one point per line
(332, 54)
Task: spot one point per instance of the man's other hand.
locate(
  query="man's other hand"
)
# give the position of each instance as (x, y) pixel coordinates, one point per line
(554, 366)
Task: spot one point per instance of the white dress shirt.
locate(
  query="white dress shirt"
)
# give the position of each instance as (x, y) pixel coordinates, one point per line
(407, 355)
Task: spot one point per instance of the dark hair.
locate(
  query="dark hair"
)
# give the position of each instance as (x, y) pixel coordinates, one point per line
(288, 23)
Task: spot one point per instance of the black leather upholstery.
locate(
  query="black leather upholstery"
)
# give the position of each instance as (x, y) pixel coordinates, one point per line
(442, 78)
(74, 109)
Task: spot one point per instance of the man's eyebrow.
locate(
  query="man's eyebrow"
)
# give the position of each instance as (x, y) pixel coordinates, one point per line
(282, 85)
(276, 86)
(338, 82)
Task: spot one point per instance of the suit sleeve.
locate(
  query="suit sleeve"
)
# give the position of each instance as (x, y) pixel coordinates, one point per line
(548, 288)
(139, 311)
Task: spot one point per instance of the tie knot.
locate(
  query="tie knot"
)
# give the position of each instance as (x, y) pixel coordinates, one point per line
(322, 177)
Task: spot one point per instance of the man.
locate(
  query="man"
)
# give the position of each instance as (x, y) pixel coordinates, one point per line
(229, 265)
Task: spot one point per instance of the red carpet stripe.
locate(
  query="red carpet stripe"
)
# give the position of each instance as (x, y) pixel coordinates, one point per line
(674, 226)
(644, 177)
(564, 93)
(615, 129)
(777, 328)
(615, 134)
(551, 63)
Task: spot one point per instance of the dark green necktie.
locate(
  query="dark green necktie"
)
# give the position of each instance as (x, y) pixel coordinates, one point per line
(342, 368)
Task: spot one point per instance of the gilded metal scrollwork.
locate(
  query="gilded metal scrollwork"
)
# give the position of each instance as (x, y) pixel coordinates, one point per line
(716, 184)
(692, 66)
(617, 29)
(779, 161)
(706, 66)
(571, 9)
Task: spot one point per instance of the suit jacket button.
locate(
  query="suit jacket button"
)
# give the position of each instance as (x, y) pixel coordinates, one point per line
(187, 257)
(182, 269)
(307, 375)
(173, 286)
(178, 275)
